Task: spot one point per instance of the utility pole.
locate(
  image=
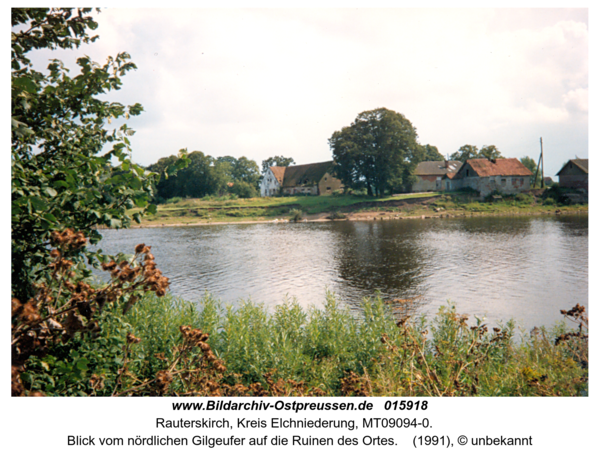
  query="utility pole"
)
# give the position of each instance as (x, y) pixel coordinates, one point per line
(542, 159)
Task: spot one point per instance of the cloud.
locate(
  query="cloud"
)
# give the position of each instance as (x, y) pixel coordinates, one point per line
(576, 101)
(264, 82)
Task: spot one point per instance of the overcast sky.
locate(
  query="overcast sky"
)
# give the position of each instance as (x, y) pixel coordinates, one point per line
(265, 82)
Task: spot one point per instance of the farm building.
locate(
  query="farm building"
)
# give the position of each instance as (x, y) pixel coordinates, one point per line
(507, 176)
(574, 174)
(430, 174)
(310, 179)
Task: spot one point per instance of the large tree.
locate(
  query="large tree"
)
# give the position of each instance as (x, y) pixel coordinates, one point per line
(378, 151)
(63, 151)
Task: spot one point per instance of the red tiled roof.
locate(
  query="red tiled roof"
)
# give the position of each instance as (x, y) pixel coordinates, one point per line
(498, 167)
(278, 172)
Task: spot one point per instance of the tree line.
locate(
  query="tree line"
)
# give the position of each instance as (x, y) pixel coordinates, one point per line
(211, 176)
(206, 175)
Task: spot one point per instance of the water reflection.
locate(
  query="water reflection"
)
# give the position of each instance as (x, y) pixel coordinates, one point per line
(526, 267)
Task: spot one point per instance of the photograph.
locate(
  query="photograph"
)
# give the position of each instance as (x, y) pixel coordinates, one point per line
(291, 227)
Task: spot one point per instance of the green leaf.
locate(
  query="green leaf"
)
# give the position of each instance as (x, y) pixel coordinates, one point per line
(136, 183)
(82, 364)
(25, 83)
(39, 204)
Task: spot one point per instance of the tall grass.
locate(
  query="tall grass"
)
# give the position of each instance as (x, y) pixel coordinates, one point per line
(337, 351)
(169, 346)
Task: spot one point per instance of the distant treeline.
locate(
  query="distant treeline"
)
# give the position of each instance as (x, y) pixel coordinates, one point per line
(207, 175)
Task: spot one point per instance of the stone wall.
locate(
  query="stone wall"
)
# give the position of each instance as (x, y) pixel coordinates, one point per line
(487, 185)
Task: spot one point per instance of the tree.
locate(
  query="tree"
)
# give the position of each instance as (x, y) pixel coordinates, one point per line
(469, 151)
(59, 179)
(532, 166)
(378, 151)
(276, 161)
(431, 153)
(61, 149)
(207, 176)
(247, 170)
(465, 153)
(70, 175)
(490, 152)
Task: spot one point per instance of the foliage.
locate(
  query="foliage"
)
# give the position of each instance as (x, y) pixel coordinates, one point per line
(465, 153)
(295, 215)
(47, 330)
(490, 152)
(206, 176)
(243, 189)
(61, 149)
(469, 151)
(64, 186)
(525, 198)
(556, 195)
(431, 153)
(182, 348)
(336, 215)
(276, 161)
(378, 151)
(532, 166)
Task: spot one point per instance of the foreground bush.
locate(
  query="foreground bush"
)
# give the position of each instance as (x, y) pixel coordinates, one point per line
(167, 346)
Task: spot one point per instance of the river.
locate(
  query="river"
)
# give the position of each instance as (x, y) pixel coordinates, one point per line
(526, 268)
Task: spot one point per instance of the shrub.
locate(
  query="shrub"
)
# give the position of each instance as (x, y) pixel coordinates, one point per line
(57, 333)
(524, 198)
(336, 215)
(244, 190)
(295, 215)
(557, 194)
(358, 192)
(172, 201)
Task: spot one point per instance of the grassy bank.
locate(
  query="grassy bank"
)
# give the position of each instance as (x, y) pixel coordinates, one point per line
(167, 346)
(224, 210)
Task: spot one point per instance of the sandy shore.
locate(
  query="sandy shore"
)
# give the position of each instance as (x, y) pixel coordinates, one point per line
(363, 216)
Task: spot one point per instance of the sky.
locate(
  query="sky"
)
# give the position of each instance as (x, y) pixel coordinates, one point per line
(263, 82)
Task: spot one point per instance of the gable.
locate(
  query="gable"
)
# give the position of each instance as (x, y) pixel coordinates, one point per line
(580, 165)
(278, 173)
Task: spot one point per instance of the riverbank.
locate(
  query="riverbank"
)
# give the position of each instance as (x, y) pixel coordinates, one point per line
(179, 348)
(183, 212)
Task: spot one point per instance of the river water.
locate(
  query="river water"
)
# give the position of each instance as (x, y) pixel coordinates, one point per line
(526, 268)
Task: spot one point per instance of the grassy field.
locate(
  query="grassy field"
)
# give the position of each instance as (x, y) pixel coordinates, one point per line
(223, 210)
